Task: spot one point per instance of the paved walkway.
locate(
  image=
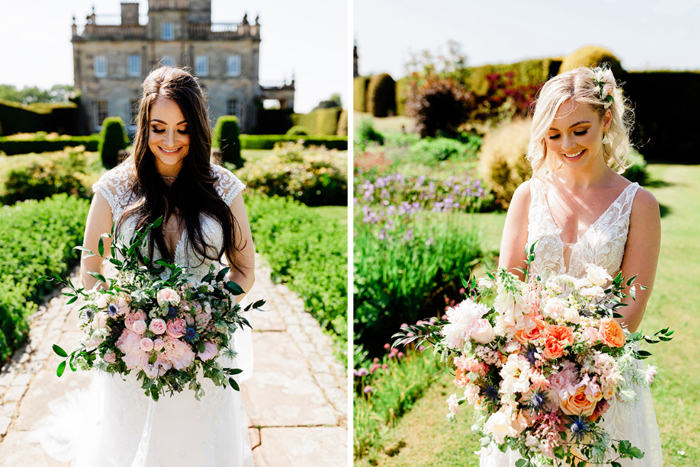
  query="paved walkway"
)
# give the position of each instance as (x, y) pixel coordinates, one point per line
(296, 401)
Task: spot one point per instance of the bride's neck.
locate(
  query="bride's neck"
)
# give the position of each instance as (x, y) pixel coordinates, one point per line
(595, 174)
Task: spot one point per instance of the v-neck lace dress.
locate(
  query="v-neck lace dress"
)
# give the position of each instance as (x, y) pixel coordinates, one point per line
(115, 424)
(602, 244)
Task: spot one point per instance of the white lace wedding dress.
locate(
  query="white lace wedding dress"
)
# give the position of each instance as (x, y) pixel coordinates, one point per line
(602, 244)
(114, 424)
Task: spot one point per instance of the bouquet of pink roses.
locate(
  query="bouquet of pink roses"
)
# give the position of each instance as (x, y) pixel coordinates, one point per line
(541, 362)
(154, 320)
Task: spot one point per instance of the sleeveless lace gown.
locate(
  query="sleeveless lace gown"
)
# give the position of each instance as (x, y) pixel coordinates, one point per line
(114, 424)
(602, 244)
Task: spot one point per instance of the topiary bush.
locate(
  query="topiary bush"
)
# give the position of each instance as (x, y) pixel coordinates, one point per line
(431, 151)
(367, 134)
(359, 94)
(439, 105)
(502, 162)
(342, 124)
(381, 96)
(112, 140)
(403, 92)
(226, 139)
(297, 130)
(315, 176)
(592, 56)
(637, 172)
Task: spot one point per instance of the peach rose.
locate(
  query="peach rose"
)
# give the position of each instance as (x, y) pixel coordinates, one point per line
(557, 338)
(461, 379)
(580, 403)
(611, 333)
(533, 329)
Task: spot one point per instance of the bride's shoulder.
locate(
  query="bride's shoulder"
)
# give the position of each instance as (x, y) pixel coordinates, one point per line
(523, 194)
(644, 207)
(227, 185)
(119, 177)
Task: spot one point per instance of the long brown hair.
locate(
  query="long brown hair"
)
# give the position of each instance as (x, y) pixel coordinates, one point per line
(192, 193)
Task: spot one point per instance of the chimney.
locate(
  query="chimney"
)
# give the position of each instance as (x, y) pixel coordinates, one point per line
(130, 14)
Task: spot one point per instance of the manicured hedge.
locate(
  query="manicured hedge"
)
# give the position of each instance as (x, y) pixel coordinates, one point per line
(18, 118)
(342, 124)
(323, 122)
(268, 141)
(112, 140)
(226, 139)
(307, 249)
(37, 239)
(403, 91)
(381, 96)
(525, 73)
(41, 144)
(592, 56)
(359, 94)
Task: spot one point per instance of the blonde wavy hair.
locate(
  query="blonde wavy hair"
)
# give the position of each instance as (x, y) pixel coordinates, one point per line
(579, 86)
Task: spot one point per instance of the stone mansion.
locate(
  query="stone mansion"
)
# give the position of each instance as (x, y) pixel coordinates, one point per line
(112, 58)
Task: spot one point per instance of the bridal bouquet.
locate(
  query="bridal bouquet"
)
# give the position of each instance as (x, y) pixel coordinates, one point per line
(541, 361)
(154, 320)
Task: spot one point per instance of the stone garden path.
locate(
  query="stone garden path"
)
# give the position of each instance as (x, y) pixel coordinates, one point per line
(296, 401)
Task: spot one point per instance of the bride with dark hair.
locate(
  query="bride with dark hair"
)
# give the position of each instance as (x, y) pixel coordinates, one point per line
(169, 174)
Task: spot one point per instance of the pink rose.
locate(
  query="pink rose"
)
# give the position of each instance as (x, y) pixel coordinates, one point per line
(482, 331)
(158, 344)
(110, 357)
(210, 351)
(178, 353)
(157, 326)
(131, 318)
(146, 344)
(176, 328)
(169, 296)
(591, 334)
(139, 327)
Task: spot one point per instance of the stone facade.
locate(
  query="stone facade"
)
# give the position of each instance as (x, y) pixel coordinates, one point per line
(112, 60)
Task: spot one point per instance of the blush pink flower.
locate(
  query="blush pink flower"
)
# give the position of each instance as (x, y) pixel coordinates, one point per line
(139, 327)
(158, 344)
(123, 307)
(131, 318)
(482, 331)
(210, 351)
(167, 295)
(146, 344)
(178, 353)
(157, 326)
(110, 357)
(176, 328)
(128, 341)
(135, 359)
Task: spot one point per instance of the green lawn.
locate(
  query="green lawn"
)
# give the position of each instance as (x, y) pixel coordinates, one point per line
(424, 438)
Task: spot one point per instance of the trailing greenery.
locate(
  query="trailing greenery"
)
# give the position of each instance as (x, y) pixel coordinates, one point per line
(112, 140)
(226, 139)
(37, 239)
(314, 176)
(60, 173)
(307, 249)
(269, 141)
(45, 142)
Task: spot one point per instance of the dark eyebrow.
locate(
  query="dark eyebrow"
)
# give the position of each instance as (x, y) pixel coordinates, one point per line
(577, 123)
(161, 121)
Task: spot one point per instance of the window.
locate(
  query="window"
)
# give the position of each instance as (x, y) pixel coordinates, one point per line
(166, 31)
(201, 65)
(99, 112)
(100, 66)
(133, 112)
(134, 65)
(233, 65)
(168, 60)
(234, 107)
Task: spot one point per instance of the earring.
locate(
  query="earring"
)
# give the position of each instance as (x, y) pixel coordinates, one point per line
(606, 140)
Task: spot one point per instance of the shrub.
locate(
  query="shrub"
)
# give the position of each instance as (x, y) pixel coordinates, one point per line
(503, 99)
(297, 131)
(359, 95)
(367, 134)
(63, 173)
(61, 117)
(306, 249)
(314, 176)
(269, 141)
(502, 162)
(637, 172)
(526, 73)
(433, 150)
(226, 139)
(319, 121)
(403, 91)
(592, 56)
(381, 96)
(112, 140)
(439, 105)
(37, 239)
(41, 142)
(342, 124)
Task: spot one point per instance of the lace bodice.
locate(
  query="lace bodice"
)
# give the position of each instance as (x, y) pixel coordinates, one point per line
(116, 187)
(602, 244)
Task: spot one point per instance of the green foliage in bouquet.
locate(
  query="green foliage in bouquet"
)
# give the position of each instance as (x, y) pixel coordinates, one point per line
(160, 291)
(35, 238)
(112, 140)
(314, 176)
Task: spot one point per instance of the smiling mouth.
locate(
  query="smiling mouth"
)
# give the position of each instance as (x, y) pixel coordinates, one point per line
(173, 151)
(574, 156)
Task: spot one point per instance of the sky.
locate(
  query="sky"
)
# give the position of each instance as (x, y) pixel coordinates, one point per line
(309, 40)
(643, 34)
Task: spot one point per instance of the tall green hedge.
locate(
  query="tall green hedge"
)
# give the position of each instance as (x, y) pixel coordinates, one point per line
(40, 144)
(18, 118)
(359, 93)
(592, 56)
(320, 122)
(403, 90)
(525, 73)
(112, 140)
(37, 239)
(381, 95)
(226, 138)
(269, 141)
(342, 124)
